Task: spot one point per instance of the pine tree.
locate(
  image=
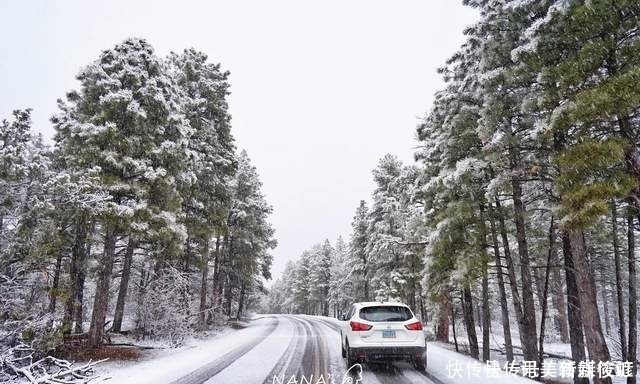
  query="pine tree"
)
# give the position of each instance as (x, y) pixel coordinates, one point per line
(250, 234)
(212, 163)
(124, 124)
(588, 60)
(358, 251)
(341, 284)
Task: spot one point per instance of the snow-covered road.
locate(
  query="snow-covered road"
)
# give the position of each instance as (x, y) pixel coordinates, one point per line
(283, 349)
(277, 348)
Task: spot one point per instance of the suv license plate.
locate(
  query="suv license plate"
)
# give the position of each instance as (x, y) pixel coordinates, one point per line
(388, 334)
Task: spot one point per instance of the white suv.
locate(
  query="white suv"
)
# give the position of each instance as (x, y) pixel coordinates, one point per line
(375, 331)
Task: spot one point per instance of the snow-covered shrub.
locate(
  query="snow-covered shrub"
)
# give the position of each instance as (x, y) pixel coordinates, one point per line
(164, 312)
(23, 318)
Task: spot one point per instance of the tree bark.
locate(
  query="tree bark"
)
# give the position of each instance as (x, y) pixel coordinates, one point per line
(76, 273)
(576, 335)
(596, 345)
(228, 297)
(469, 323)
(186, 260)
(101, 300)
(53, 293)
(486, 310)
(504, 305)
(633, 300)
(82, 273)
(605, 303)
(203, 284)
(222, 274)
(528, 339)
(545, 290)
(241, 301)
(124, 285)
(557, 298)
(216, 274)
(365, 277)
(442, 329)
(619, 283)
(453, 327)
(228, 281)
(513, 282)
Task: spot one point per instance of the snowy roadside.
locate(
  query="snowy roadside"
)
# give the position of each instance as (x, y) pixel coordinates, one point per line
(165, 365)
(452, 367)
(561, 352)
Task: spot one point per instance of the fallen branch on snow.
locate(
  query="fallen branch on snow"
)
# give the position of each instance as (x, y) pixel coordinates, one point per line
(18, 362)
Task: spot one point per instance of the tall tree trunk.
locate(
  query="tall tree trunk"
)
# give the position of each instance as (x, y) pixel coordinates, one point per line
(453, 327)
(241, 301)
(203, 284)
(186, 260)
(228, 296)
(557, 297)
(573, 310)
(101, 300)
(528, 339)
(365, 276)
(229, 283)
(142, 290)
(442, 329)
(596, 344)
(486, 311)
(54, 292)
(224, 272)
(79, 313)
(423, 310)
(538, 279)
(513, 282)
(632, 160)
(217, 262)
(605, 303)
(633, 300)
(469, 323)
(76, 273)
(124, 285)
(619, 283)
(545, 290)
(504, 305)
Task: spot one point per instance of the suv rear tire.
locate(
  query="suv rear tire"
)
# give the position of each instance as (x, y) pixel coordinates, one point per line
(350, 360)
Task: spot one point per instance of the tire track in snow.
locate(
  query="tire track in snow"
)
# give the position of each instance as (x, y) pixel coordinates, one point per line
(310, 364)
(291, 361)
(335, 364)
(328, 323)
(320, 352)
(211, 369)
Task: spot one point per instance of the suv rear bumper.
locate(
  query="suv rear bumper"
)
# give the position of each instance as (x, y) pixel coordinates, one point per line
(372, 354)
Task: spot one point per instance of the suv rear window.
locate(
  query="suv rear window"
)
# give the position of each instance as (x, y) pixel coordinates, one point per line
(385, 313)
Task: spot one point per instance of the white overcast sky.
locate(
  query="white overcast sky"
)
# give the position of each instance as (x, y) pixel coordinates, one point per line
(320, 89)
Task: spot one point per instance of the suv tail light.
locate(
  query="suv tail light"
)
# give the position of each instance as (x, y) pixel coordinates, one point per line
(356, 327)
(417, 326)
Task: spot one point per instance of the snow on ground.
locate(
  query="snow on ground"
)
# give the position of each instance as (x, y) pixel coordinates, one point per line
(442, 363)
(255, 365)
(556, 348)
(164, 366)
